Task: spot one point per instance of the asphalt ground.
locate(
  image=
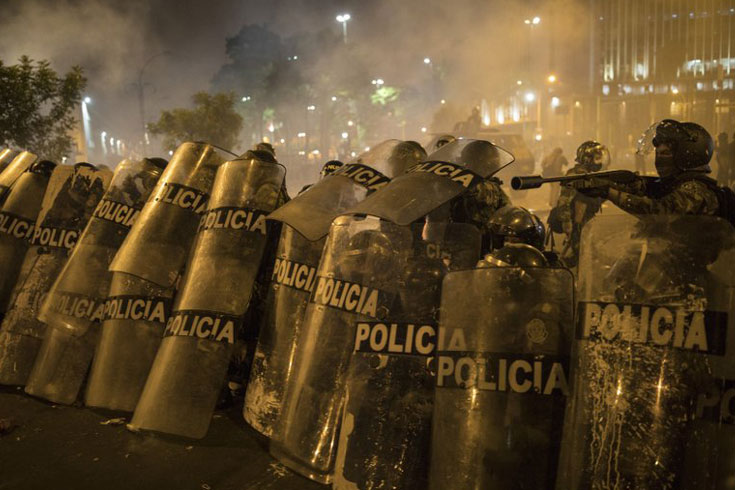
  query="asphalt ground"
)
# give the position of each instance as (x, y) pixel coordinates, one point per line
(59, 447)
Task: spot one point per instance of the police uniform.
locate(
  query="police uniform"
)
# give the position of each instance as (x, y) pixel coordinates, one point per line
(573, 211)
(687, 193)
(478, 205)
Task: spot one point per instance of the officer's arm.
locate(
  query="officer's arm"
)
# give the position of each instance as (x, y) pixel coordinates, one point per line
(689, 198)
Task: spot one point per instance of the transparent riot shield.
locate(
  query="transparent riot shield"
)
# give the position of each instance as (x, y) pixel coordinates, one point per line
(356, 282)
(136, 312)
(189, 370)
(312, 211)
(70, 199)
(389, 390)
(501, 378)
(17, 218)
(13, 170)
(653, 352)
(446, 173)
(294, 275)
(75, 304)
(6, 156)
(156, 249)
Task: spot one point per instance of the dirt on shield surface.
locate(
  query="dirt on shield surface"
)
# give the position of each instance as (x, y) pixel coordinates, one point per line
(46, 446)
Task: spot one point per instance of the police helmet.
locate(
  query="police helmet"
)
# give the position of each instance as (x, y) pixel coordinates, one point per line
(42, 167)
(265, 146)
(441, 141)
(329, 167)
(515, 255)
(593, 155)
(515, 224)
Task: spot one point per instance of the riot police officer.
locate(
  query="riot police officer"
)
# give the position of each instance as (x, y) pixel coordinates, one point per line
(683, 152)
(574, 209)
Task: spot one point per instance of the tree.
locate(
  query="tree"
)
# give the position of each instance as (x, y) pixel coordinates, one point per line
(37, 107)
(213, 119)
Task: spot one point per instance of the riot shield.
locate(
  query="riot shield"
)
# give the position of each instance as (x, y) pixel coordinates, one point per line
(13, 170)
(294, 275)
(312, 211)
(136, 312)
(389, 390)
(70, 199)
(190, 367)
(653, 352)
(74, 306)
(446, 173)
(17, 219)
(6, 156)
(156, 249)
(501, 378)
(355, 283)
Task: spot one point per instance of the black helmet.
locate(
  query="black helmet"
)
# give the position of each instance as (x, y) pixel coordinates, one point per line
(265, 146)
(329, 167)
(697, 152)
(42, 167)
(593, 155)
(515, 255)
(678, 147)
(262, 155)
(514, 224)
(440, 141)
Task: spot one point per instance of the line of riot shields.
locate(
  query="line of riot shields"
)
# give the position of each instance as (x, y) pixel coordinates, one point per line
(375, 350)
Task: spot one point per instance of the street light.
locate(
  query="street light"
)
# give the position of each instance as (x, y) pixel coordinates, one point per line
(427, 61)
(534, 21)
(141, 94)
(343, 18)
(87, 100)
(530, 96)
(246, 98)
(551, 78)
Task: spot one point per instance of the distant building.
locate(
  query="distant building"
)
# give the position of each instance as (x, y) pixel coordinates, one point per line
(655, 59)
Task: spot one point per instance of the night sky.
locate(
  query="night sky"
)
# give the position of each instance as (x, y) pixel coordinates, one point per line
(478, 42)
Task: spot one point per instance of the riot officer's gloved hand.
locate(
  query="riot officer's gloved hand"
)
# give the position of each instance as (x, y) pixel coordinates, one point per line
(593, 187)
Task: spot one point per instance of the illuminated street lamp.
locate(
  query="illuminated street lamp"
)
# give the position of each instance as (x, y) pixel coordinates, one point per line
(343, 18)
(427, 61)
(87, 100)
(551, 78)
(533, 22)
(530, 96)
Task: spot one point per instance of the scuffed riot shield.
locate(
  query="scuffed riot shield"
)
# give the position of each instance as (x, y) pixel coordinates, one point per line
(70, 199)
(294, 275)
(502, 373)
(13, 170)
(389, 390)
(446, 173)
(17, 218)
(356, 282)
(312, 211)
(74, 306)
(653, 352)
(156, 249)
(136, 312)
(6, 156)
(190, 367)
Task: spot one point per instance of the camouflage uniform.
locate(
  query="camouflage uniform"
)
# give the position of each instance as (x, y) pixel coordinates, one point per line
(687, 193)
(574, 210)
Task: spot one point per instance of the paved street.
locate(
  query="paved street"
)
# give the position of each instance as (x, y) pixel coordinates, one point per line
(57, 447)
